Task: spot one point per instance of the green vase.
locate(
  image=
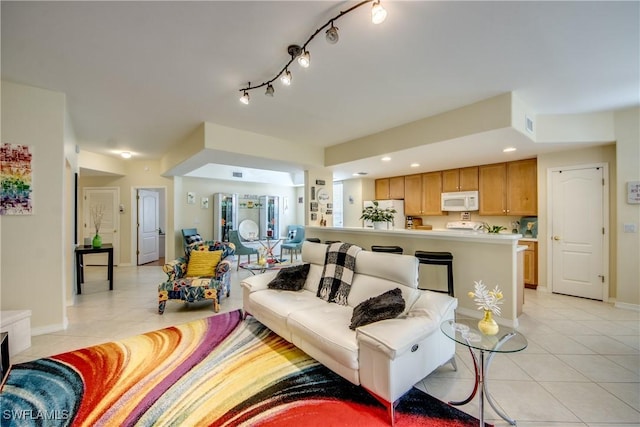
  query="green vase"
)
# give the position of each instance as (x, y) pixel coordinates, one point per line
(97, 241)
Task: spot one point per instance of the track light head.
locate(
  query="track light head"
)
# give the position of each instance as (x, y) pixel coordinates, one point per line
(332, 35)
(304, 59)
(378, 13)
(245, 98)
(270, 90)
(285, 78)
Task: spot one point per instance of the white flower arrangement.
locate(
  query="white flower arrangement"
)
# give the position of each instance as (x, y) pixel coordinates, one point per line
(97, 212)
(486, 299)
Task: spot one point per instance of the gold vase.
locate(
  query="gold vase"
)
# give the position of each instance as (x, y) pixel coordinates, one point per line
(487, 325)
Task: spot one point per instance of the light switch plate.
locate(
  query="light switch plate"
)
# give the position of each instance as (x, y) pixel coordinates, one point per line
(630, 228)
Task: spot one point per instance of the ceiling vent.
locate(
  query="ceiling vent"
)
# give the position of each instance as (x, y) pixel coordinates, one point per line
(528, 124)
(237, 174)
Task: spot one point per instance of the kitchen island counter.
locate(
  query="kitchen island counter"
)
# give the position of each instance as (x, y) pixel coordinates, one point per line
(492, 258)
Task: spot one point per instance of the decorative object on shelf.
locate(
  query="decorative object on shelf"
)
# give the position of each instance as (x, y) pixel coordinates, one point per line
(377, 215)
(489, 301)
(493, 229)
(301, 53)
(97, 213)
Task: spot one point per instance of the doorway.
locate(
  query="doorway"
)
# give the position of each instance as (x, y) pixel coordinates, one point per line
(105, 199)
(148, 225)
(578, 231)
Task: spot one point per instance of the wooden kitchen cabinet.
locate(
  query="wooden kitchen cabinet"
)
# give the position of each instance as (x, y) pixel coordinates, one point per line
(390, 188)
(463, 179)
(508, 188)
(422, 194)
(530, 264)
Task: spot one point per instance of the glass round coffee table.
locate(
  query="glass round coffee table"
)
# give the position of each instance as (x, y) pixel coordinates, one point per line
(465, 331)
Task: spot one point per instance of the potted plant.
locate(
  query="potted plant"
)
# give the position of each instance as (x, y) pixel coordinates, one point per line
(378, 216)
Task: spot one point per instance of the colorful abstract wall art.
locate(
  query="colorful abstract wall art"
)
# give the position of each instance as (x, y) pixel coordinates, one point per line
(15, 180)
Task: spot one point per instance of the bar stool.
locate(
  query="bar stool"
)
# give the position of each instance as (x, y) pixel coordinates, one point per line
(439, 258)
(387, 249)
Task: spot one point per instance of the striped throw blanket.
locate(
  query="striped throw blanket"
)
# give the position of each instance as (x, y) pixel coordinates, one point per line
(339, 267)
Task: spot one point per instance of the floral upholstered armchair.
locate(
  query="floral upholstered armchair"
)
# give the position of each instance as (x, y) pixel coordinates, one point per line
(202, 274)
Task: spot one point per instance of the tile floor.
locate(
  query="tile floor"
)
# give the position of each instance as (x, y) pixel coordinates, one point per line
(581, 368)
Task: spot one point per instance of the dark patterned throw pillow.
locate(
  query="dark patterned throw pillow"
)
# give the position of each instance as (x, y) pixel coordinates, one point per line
(290, 278)
(387, 305)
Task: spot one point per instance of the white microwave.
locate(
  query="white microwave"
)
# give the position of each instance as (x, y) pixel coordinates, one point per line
(460, 201)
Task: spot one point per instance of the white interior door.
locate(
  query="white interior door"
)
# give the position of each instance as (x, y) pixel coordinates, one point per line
(148, 227)
(578, 232)
(109, 199)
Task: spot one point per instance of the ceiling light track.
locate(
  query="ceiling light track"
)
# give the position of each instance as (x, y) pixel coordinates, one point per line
(378, 15)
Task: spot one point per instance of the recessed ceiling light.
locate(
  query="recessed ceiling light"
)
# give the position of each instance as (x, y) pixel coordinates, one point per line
(415, 165)
(125, 155)
(509, 149)
(386, 158)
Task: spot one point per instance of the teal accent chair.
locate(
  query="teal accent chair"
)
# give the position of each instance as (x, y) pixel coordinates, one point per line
(241, 249)
(293, 244)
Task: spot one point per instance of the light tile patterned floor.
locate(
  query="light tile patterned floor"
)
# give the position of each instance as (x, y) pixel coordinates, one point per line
(581, 368)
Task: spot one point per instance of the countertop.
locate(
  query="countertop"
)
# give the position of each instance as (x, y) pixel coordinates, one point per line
(500, 238)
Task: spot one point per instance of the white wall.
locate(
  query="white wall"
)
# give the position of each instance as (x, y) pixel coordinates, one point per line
(627, 124)
(34, 249)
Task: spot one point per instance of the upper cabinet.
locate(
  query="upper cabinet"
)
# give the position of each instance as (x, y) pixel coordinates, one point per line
(508, 188)
(390, 188)
(422, 194)
(463, 179)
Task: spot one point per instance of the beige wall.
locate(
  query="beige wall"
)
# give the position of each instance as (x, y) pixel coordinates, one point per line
(627, 124)
(603, 154)
(35, 256)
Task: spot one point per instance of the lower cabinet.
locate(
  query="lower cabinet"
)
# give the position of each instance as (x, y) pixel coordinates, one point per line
(530, 264)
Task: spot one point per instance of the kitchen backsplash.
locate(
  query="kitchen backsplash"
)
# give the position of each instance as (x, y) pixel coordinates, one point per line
(441, 221)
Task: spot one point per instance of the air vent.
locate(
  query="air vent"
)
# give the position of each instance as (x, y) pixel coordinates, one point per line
(528, 123)
(237, 174)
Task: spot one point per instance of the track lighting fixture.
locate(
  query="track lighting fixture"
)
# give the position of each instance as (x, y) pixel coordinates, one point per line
(270, 90)
(285, 78)
(304, 60)
(332, 35)
(378, 15)
(245, 98)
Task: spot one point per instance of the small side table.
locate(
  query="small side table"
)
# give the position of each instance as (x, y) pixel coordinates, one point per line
(465, 331)
(4, 355)
(82, 250)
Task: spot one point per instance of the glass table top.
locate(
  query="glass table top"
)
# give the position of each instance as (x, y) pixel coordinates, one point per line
(464, 330)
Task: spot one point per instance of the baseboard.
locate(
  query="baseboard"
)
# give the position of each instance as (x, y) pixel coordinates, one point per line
(627, 306)
(48, 329)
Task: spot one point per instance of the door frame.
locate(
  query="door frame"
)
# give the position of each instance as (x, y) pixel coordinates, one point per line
(605, 219)
(134, 218)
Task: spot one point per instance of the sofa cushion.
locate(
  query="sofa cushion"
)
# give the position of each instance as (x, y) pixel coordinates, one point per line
(290, 278)
(203, 263)
(325, 326)
(387, 305)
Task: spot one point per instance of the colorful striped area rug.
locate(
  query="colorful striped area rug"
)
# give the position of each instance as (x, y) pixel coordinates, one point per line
(218, 371)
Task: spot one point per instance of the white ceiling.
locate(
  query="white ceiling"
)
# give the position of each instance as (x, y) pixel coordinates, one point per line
(140, 76)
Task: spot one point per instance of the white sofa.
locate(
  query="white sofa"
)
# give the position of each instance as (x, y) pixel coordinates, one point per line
(387, 357)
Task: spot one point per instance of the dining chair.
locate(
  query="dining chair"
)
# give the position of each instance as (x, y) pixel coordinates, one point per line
(293, 244)
(240, 248)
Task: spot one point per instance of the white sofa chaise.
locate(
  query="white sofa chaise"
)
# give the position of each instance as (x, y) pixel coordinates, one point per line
(387, 357)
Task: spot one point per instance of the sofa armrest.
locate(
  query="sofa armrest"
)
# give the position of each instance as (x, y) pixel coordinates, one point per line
(394, 337)
(259, 282)
(175, 269)
(222, 268)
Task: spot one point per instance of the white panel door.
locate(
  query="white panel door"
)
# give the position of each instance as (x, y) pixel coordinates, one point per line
(577, 232)
(148, 227)
(109, 199)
